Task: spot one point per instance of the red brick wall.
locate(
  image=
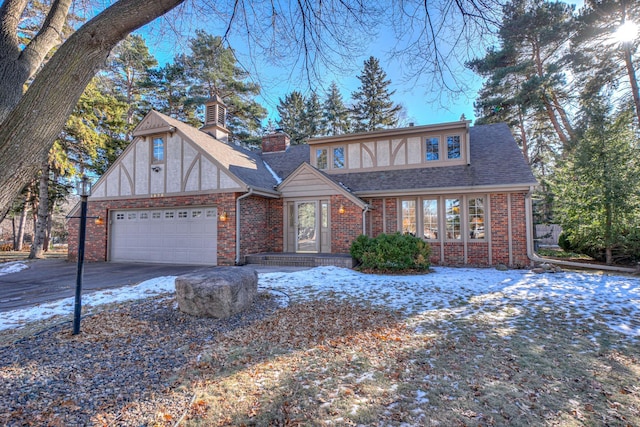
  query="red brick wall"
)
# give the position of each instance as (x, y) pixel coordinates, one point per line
(275, 142)
(499, 228)
(96, 241)
(519, 230)
(345, 227)
(261, 225)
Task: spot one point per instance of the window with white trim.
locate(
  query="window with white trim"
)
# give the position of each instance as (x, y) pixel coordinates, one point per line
(453, 147)
(409, 217)
(338, 158)
(452, 219)
(432, 149)
(158, 149)
(321, 158)
(476, 217)
(430, 219)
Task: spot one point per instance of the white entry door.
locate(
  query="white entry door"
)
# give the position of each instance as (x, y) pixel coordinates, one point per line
(169, 236)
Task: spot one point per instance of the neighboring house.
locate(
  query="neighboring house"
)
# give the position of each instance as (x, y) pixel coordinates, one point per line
(182, 195)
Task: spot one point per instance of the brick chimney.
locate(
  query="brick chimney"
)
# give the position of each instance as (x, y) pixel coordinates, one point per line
(214, 119)
(275, 142)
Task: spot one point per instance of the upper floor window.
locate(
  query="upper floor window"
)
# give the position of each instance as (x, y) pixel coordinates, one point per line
(338, 157)
(158, 149)
(476, 218)
(432, 151)
(321, 158)
(453, 147)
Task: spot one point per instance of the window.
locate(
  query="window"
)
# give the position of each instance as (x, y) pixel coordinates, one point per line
(169, 215)
(158, 150)
(433, 145)
(119, 216)
(476, 218)
(196, 214)
(321, 158)
(453, 147)
(210, 213)
(409, 217)
(155, 215)
(452, 219)
(430, 219)
(183, 214)
(144, 215)
(325, 214)
(131, 215)
(338, 157)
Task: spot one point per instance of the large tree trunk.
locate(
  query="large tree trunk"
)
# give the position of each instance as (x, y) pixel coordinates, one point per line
(28, 132)
(631, 72)
(43, 215)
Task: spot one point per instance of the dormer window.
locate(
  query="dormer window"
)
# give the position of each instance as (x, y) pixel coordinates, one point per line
(321, 158)
(158, 149)
(338, 158)
(453, 147)
(432, 149)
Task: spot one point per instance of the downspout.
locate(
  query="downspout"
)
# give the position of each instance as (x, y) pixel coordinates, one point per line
(364, 219)
(536, 258)
(244, 196)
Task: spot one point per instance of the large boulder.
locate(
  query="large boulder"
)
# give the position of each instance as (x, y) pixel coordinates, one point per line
(218, 292)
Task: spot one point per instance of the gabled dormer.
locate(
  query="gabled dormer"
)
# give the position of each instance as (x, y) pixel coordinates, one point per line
(445, 144)
(215, 117)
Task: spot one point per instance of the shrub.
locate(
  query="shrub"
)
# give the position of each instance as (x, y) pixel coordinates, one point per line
(391, 252)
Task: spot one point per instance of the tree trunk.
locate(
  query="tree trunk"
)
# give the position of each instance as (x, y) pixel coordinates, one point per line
(631, 72)
(22, 223)
(43, 215)
(523, 136)
(28, 132)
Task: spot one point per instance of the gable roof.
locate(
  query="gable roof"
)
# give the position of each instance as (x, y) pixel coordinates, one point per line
(496, 161)
(246, 165)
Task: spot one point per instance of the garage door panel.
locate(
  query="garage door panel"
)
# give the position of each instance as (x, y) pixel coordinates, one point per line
(181, 235)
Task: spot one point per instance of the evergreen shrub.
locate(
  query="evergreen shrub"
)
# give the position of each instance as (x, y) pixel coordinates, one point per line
(391, 252)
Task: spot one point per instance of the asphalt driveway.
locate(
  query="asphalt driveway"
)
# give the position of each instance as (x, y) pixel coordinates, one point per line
(53, 279)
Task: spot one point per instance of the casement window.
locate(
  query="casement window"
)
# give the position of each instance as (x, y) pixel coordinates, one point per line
(432, 149)
(158, 150)
(476, 217)
(452, 219)
(453, 147)
(338, 158)
(321, 158)
(409, 217)
(430, 219)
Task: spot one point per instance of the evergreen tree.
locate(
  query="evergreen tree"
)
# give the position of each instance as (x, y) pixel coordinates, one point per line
(127, 69)
(600, 59)
(168, 92)
(312, 117)
(525, 83)
(335, 115)
(373, 107)
(596, 201)
(212, 69)
(292, 113)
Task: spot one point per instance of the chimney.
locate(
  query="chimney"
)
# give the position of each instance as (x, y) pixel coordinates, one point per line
(215, 117)
(275, 142)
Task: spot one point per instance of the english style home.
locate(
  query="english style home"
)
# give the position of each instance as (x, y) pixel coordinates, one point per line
(183, 195)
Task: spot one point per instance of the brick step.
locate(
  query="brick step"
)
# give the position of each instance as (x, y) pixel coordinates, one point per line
(292, 260)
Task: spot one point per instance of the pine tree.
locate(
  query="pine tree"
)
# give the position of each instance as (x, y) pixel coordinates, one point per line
(292, 111)
(312, 123)
(373, 107)
(212, 69)
(336, 118)
(597, 213)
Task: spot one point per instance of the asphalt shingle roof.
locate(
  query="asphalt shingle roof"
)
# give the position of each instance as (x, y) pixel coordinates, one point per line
(496, 160)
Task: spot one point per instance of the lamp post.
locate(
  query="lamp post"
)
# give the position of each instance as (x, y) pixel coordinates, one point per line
(84, 191)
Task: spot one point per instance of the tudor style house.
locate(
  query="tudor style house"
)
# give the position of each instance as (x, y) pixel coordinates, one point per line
(182, 195)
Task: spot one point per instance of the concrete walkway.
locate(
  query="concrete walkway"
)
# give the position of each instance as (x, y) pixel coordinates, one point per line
(52, 279)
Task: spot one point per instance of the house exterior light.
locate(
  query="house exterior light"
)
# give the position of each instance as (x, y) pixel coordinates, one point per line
(341, 210)
(223, 216)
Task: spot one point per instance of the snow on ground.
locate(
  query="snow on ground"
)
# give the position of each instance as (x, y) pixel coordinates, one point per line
(448, 292)
(12, 267)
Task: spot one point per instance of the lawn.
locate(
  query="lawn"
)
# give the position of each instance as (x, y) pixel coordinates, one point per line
(455, 347)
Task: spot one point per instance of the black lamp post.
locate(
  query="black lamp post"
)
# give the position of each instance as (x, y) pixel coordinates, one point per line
(84, 191)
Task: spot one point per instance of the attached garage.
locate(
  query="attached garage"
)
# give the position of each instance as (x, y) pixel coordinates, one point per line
(170, 236)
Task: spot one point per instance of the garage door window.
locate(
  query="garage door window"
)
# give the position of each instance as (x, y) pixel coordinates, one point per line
(156, 215)
(169, 215)
(120, 216)
(144, 215)
(183, 214)
(196, 214)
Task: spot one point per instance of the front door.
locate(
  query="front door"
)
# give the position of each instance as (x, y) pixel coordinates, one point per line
(307, 236)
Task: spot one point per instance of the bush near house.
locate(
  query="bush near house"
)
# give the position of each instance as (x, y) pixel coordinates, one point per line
(391, 252)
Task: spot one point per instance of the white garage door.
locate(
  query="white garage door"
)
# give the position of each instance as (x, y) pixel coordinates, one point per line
(173, 236)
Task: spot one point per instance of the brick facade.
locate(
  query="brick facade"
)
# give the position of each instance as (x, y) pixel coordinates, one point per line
(262, 227)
